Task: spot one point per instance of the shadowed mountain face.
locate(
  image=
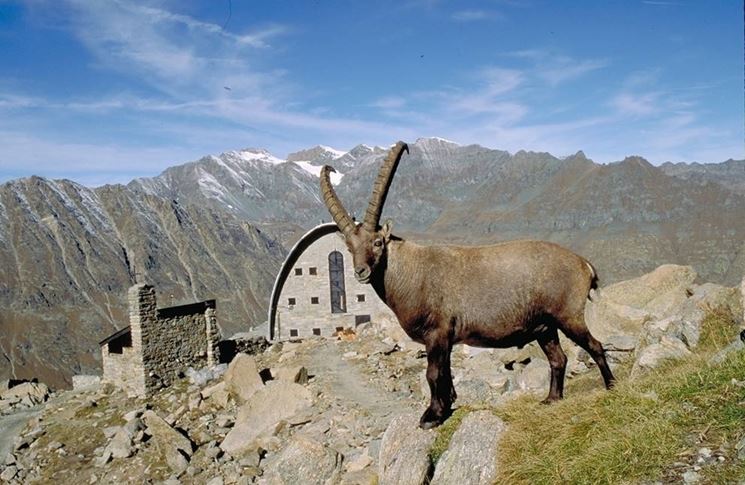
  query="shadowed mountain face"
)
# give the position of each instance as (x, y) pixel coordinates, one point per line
(68, 253)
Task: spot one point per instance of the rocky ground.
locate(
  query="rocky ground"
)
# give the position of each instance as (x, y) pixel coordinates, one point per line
(344, 410)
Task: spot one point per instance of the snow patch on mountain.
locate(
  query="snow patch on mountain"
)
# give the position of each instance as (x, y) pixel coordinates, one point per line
(336, 153)
(316, 171)
(250, 155)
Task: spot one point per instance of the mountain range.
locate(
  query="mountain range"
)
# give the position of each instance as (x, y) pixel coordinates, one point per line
(218, 228)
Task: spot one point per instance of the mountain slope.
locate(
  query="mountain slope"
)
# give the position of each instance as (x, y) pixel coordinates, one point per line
(70, 253)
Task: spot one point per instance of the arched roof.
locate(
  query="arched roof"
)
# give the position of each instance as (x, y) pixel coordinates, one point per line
(303, 243)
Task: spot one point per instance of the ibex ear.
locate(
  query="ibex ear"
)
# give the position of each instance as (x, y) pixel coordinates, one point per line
(386, 230)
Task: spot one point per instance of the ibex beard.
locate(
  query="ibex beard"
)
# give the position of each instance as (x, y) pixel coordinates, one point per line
(503, 295)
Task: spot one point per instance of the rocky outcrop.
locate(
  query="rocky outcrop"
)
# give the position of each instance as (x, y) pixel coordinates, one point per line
(242, 379)
(22, 395)
(404, 452)
(471, 457)
(276, 401)
(304, 460)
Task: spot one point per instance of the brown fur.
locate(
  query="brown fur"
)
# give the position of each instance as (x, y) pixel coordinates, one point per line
(503, 295)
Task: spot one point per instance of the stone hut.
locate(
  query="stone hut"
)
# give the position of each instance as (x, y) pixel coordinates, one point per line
(315, 292)
(160, 343)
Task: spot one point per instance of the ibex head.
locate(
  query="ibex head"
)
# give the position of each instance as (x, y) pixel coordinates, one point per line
(367, 241)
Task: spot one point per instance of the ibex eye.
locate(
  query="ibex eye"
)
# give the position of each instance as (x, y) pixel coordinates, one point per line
(378, 243)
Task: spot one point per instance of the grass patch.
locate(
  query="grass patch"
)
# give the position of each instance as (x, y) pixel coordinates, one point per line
(636, 431)
(718, 329)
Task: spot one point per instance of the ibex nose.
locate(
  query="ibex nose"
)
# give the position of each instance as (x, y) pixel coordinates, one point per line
(359, 270)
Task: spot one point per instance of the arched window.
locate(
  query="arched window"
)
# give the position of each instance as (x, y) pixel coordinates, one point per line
(336, 280)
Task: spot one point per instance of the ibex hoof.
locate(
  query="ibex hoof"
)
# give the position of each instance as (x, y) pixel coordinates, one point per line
(430, 419)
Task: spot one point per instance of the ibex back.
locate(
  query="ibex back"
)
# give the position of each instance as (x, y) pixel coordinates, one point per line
(503, 295)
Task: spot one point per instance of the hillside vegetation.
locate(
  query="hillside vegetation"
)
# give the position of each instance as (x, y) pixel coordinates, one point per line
(684, 414)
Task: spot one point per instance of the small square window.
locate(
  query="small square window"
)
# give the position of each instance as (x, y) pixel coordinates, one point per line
(360, 298)
(293, 332)
(339, 329)
(316, 331)
(314, 300)
(313, 271)
(298, 271)
(290, 301)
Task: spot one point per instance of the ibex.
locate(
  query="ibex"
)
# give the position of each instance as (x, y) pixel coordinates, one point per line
(503, 295)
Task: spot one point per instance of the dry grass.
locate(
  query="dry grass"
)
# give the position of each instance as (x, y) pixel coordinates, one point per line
(636, 431)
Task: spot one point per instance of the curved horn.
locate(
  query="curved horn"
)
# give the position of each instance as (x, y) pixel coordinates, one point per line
(382, 183)
(333, 204)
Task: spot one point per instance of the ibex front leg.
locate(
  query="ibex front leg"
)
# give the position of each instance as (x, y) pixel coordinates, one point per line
(440, 382)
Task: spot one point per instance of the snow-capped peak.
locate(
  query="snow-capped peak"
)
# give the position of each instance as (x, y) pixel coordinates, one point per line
(251, 154)
(315, 170)
(333, 151)
(436, 139)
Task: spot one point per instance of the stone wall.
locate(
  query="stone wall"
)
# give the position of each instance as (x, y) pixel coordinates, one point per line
(124, 370)
(164, 342)
(305, 315)
(176, 339)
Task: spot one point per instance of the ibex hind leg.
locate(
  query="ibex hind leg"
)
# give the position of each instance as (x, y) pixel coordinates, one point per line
(576, 330)
(557, 359)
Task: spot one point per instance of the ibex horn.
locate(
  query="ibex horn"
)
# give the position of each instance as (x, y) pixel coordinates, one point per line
(382, 183)
(333, 204)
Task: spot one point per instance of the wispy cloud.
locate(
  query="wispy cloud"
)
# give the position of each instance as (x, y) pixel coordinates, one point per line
(472, 15)
(635, 104)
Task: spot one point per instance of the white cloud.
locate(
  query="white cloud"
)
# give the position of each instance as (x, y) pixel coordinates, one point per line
(472, 15)
(627, 103)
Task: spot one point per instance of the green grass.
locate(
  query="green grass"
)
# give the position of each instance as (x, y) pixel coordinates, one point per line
(636, 431)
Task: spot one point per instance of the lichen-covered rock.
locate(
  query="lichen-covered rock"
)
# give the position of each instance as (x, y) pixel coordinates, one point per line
(471, 457)
(404, 452)
(242, 378)
(304, 460)
(274, 402)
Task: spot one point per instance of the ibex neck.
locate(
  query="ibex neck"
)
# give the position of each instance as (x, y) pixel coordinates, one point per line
(397, 278)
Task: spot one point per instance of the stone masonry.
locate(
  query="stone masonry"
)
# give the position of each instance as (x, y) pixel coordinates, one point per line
(304, 307)
(159, 343)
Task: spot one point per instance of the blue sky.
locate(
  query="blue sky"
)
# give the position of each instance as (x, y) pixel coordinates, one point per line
(103, 91)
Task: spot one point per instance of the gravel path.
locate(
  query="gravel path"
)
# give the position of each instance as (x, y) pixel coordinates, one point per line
(345, 381)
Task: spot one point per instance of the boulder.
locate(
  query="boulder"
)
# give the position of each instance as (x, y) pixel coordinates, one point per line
(710, 296)
(304, 460)
(297, 374)
(175, 447)
(471, 457)
(120, 445)
(242, 378)
(648, 290)
(623, 308)
(404, 452)
(30, 393)
(272, 403)
(606, 317)
(653, 355)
